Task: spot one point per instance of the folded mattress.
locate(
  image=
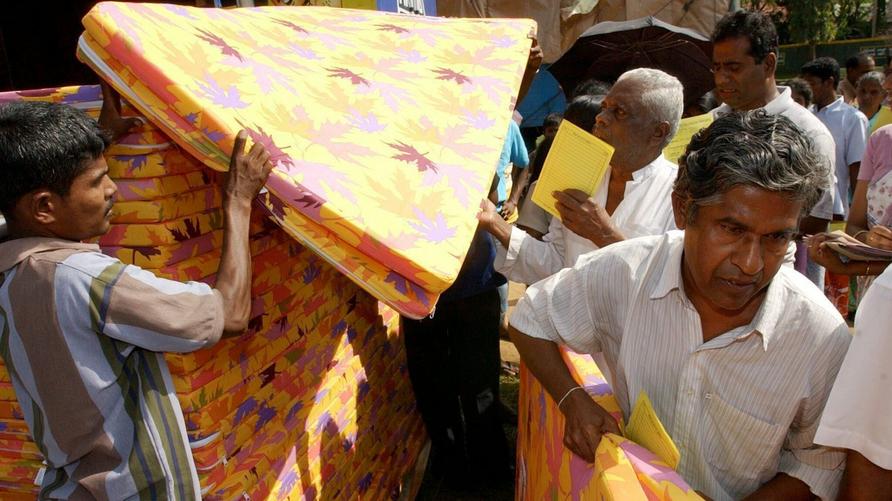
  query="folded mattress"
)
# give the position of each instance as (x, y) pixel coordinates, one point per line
(385, 130)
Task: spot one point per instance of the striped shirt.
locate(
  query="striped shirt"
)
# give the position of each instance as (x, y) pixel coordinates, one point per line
(80, 333)
(741, 407)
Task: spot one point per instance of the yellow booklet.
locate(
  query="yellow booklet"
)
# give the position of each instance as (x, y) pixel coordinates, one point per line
(686, 130)
(645, 429)
(577, 160)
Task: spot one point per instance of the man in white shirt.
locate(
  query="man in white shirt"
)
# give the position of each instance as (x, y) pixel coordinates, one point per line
(846, 124)
(639, 116)
(857, 413)
(744, 59)
(736, 352)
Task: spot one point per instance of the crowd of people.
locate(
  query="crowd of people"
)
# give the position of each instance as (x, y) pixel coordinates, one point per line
(704, 281)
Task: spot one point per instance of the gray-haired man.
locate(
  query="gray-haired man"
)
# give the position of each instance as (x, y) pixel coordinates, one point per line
(737, 353)
(639, 116)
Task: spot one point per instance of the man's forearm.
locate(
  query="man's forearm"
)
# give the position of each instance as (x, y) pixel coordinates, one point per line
(544, 360)
(853, 177)
(863, 480)
(517, 189)
(234, 273)
(782, 488)
(500, 230)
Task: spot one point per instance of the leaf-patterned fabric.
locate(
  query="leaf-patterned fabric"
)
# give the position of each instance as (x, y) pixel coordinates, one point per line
(385, 129)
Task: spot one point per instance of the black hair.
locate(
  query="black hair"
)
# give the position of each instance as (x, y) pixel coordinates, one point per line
(750, 148)
(590, 87)
(754, 26)
(802, 88)
(857, 60)
(583, 110)
(44, 145)
(824, 68)
(552, 120)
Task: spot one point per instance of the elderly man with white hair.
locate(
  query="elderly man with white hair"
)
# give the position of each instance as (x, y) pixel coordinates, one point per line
(639, 116)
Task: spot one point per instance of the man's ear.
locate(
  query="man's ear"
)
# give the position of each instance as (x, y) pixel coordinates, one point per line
(770, 63)
(661, 131)
(40, 206)
(680, 210)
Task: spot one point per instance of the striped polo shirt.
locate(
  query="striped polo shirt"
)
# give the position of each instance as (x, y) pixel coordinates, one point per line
(81, 335)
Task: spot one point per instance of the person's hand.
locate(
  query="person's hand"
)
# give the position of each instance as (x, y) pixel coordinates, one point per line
(823, 255)
(533, 62)
(249, 171)
(110, 117)
(879, 237)
(585, 423)
(581, 215)
(535, 58)
(508, 208)
(488, 214)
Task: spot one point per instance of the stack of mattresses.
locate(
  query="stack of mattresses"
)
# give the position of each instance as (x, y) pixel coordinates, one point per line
(312, 401)
(546, 469)
(385, 130)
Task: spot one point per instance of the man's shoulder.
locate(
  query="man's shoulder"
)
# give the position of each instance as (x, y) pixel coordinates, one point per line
(807, 306)
(805, 119)
(633, 254)
(848, 112)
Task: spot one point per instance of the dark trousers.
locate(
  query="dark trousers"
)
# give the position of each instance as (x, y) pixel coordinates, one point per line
(453, 362)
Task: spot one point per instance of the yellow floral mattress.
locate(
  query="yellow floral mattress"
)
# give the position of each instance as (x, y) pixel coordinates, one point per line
(546, 469)
(313, 401)
(385, 129)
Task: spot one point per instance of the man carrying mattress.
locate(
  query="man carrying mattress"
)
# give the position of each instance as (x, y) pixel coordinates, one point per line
(81, 333)
(737, 353)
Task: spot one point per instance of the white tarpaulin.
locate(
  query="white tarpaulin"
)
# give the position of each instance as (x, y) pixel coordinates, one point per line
(560, 23)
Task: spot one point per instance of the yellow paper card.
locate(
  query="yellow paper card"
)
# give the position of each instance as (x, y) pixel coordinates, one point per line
(577, 160)
(646, 429)
(884, 118)
(686, 130)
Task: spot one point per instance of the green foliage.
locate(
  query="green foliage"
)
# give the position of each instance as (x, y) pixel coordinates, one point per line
(812, 21)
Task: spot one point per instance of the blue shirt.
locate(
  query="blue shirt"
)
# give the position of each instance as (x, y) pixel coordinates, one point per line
(514, 151)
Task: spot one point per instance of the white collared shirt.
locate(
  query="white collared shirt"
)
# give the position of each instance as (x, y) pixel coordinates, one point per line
(848, 126)
(784, 105)
(741, 407)
(646, 209)
(858, 410)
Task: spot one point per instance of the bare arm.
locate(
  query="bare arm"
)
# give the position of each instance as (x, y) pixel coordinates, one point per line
(826, 257)
(863, 480)
(519, 183)
(782, 488)
(110, 117)
(586, 421)
(858, 213)
(491, 221)
(533, 62)
(853, 176)
(247, 174)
